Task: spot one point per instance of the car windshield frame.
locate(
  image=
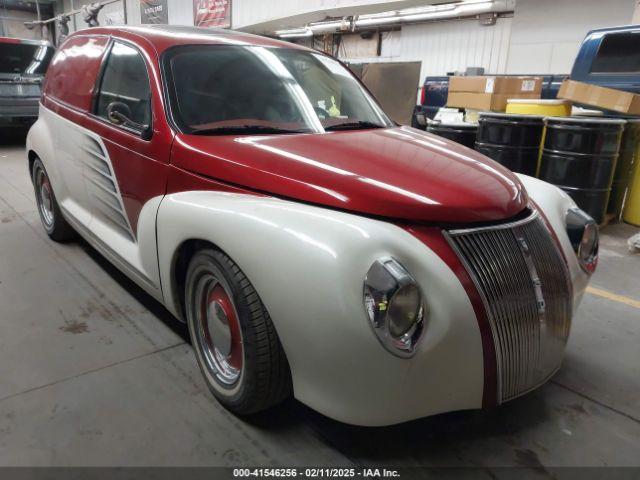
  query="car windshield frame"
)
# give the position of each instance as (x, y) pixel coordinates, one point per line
(314, 123)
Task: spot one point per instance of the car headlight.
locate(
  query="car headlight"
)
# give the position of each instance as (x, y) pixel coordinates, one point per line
(583, 234)
(394, 305)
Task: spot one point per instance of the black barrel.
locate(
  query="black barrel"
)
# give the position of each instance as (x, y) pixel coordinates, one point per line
(511, 140)
(462, 133)
(579, 155)
(624, 166)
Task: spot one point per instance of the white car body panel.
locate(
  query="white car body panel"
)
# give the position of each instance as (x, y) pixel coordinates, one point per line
(308, 265)
(62, 146)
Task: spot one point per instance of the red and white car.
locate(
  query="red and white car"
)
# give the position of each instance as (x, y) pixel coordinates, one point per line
(315, 248)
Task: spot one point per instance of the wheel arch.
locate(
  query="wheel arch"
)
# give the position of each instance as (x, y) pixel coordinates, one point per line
(31, 157)
(178, 270)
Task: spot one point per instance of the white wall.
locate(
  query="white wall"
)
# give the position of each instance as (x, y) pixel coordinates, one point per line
(546, 34)
(448, 46)
(180, 12)
(259, 15)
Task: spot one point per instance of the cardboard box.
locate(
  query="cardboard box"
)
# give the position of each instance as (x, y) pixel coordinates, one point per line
(496, 84)
(496, 102)
(601, 97)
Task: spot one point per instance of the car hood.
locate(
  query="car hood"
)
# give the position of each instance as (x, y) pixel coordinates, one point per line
(400, 173)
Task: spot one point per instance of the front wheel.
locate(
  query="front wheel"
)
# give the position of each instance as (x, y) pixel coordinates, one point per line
(236, 344)
(52, 220)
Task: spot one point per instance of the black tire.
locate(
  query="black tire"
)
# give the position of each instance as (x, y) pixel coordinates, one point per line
(263, 378)
(52, 220)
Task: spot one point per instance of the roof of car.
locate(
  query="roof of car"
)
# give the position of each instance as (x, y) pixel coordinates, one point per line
(165, 36)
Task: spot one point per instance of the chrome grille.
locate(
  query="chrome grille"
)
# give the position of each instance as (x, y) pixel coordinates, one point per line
(524, 284)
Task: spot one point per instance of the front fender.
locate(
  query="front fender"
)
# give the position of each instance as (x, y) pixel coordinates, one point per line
(308, 265)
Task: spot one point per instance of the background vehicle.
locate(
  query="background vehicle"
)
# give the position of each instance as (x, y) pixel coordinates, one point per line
(23, 64)
(435, 90)
(610, 57)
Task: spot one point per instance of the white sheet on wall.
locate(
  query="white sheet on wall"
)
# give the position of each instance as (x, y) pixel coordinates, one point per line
(354, 46)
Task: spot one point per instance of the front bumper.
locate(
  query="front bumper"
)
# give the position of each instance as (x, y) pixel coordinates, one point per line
(17, 110)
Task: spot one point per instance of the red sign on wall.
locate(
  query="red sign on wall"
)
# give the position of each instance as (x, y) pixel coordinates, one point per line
(212, 13)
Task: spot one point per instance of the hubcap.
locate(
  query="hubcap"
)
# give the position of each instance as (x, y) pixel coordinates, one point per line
(218, 330)
(45, 198)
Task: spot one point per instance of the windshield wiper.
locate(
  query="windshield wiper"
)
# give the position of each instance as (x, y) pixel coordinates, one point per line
(244, 129)
(358, 125)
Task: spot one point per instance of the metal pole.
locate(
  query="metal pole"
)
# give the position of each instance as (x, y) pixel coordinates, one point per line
(39, 19)
(75, 25)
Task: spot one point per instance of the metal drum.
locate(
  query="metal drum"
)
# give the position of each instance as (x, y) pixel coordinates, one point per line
(462, 133)
(511, 140)
(579, 155)
(624, 166)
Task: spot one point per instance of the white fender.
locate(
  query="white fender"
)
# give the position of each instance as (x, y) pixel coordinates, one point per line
(40, 141)
(308, 265)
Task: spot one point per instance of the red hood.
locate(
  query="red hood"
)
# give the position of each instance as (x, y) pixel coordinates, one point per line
(400, 173)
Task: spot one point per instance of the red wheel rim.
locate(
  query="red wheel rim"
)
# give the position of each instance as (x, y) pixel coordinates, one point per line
(220, 333)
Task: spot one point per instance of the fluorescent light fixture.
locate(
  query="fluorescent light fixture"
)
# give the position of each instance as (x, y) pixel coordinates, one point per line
(414, 14)
(424, 13)
(295, 32)
(324, 26)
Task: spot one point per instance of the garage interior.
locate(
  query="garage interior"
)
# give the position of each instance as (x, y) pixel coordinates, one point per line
(95, 372)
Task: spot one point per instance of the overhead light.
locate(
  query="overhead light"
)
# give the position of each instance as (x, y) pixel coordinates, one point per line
(424, 13)
(446, 10)
(314, 27)
(294, 33)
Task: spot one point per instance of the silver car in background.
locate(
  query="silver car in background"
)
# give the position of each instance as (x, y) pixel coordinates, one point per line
(23, 64)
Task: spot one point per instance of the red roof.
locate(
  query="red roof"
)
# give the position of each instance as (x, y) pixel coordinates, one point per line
(165, 36)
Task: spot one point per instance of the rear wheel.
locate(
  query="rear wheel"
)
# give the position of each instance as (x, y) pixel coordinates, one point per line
(52, 220)
(236, 344)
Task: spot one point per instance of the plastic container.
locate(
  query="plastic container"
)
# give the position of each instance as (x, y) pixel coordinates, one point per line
(548, 108)
(629, 149)
(631, 212)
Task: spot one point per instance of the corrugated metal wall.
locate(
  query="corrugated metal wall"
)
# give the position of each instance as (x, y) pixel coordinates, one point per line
(448, 46)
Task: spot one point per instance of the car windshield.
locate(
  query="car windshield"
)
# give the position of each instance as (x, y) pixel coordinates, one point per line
(24, 59)
(221, 90)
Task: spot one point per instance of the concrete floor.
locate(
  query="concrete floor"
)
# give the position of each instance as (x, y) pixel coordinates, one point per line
(93, 372)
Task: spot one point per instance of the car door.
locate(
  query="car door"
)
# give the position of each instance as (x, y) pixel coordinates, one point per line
(128, 161)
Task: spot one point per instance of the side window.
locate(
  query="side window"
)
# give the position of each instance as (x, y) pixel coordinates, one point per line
(124, 97)
(618, 53)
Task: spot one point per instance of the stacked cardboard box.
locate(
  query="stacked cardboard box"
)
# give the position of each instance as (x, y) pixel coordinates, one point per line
(601, 97)
(491, 93)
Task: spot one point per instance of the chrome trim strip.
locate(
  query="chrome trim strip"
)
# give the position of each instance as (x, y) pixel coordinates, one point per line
(501, 226)
(487, 310)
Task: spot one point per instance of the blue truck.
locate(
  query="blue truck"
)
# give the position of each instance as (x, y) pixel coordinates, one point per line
(609, 57)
